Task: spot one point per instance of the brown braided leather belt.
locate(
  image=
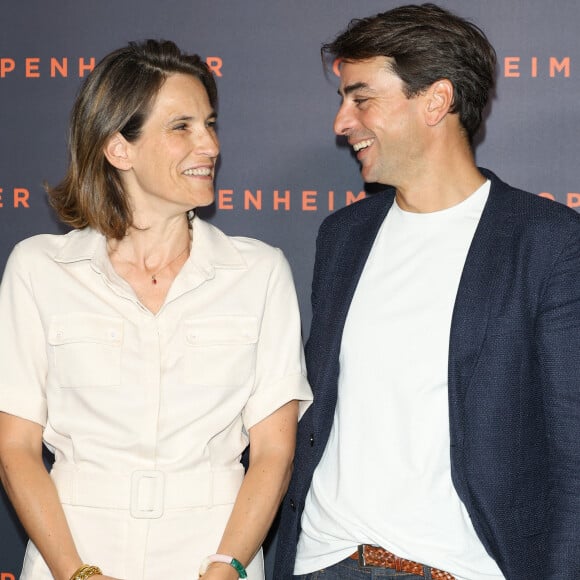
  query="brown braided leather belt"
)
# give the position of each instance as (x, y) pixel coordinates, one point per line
(375, 556)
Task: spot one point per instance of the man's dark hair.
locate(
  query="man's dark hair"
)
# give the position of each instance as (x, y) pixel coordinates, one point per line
(427, 44)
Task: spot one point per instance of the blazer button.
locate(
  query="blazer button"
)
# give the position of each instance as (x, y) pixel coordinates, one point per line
(311, 439)
(292, 505)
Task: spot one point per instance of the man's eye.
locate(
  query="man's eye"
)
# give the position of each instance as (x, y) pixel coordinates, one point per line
(359, 102)
(180, 127)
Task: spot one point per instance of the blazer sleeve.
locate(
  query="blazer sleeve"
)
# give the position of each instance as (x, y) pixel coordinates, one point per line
(558, 344)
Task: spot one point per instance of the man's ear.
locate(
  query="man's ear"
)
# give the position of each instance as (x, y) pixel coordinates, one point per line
(439, 101)
(116, 151)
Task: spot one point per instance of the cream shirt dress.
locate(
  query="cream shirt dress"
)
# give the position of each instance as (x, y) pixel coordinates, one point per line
(147, 414)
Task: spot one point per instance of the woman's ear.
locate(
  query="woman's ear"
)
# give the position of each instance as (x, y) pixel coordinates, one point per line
(116, 151)
(439, 101)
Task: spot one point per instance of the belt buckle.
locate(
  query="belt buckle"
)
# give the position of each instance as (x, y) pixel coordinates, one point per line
(147, 494)
(361, 555)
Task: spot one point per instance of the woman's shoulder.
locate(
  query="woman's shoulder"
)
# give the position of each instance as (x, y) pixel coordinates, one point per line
(44, 246)
(259, 255)
(249, 249)
(254, 246)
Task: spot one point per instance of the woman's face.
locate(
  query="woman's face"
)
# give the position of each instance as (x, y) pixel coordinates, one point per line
(171, 165)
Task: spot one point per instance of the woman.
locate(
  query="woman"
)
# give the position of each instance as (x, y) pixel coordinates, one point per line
(146, 348)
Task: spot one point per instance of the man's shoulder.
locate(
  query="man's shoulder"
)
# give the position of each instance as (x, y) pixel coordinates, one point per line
(360, 210)
(529, 207)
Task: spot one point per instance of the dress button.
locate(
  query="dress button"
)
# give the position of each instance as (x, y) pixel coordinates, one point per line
(292, 505)
(311, 439)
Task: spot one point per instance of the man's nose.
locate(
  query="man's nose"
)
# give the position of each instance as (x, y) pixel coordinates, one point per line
(342, 121)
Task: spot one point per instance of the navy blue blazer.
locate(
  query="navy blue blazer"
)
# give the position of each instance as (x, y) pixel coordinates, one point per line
(514, 377)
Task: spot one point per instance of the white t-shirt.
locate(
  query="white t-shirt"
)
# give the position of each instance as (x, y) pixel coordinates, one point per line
(385, 476)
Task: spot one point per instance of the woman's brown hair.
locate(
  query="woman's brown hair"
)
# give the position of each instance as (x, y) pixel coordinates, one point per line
(115, 98)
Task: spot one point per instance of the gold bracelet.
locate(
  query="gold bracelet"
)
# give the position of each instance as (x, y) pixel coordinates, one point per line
(85, 571)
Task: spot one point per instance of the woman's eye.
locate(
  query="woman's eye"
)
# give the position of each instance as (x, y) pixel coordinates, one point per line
(180, 127)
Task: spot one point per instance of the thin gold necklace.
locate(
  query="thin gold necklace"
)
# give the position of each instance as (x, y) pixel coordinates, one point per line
(154, 276)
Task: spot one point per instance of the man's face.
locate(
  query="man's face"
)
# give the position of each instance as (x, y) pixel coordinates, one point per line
(383, 126)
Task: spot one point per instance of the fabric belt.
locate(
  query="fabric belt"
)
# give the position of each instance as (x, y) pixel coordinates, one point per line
(375, 556)
(146, 493)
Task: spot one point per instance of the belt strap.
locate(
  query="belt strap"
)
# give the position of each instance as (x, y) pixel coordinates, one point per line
(376, 556)
(146, 493)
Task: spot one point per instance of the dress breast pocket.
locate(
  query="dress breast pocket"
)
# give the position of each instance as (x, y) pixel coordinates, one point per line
(86, 350)
(220, 351)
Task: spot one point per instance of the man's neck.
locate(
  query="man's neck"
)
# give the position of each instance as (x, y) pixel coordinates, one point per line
(445, 181)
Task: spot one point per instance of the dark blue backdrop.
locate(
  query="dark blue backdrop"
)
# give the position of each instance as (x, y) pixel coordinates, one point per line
(275, 116)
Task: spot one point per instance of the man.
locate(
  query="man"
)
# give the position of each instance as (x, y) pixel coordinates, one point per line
(444, 355)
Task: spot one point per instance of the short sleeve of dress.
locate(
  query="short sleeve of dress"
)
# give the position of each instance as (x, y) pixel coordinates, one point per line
(23, 359)
(280, 367)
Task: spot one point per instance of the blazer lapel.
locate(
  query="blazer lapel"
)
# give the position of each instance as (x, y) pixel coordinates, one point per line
(474, 300)
(358, 241)
(346, 247)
